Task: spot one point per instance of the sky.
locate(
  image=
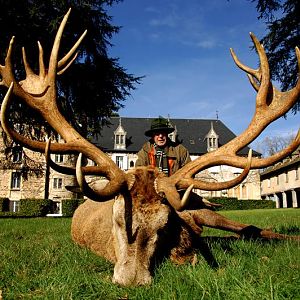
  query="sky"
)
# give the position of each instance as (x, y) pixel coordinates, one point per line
(182, 49)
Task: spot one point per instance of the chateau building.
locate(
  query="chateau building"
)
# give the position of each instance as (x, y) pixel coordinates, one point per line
(124, 137)
(33, 183)
(121, 140)
(281, 183)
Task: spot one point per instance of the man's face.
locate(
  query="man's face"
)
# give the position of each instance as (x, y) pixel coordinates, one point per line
(160, 138)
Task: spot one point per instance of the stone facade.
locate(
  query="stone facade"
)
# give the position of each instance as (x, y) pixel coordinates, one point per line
(281, 183)
(15, 186)
(60, 186)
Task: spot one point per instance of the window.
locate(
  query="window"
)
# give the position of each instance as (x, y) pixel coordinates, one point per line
(56, 207)
(15, 180)
(119, 161)
(131, 164)
(119, 139)
(15, 206)
(58, 158)
(286, 177)
(297, 174)
(172, 136)
(212, 142)
(57, 183)
(17, 154)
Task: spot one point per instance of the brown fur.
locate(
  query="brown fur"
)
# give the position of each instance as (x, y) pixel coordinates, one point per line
(139, 228)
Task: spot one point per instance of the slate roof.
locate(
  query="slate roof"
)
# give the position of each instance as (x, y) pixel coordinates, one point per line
(191, 133)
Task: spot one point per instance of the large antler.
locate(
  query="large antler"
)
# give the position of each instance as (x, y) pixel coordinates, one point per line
(270, 105)
(39, 92)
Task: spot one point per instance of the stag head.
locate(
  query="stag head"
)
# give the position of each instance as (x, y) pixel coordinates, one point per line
(137, 214)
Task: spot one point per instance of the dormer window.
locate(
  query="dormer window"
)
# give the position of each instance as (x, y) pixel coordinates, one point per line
(212, 139)
(173, 135)
(120, 137)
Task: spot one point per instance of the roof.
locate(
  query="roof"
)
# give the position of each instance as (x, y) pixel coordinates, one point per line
(287, 163)
(190, 132)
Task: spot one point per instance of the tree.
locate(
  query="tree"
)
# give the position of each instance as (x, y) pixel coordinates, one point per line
(283, 22)
(273, 144)
(91, 90)
(96, 85)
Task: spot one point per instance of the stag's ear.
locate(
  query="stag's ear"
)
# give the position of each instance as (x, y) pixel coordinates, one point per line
(130, 179)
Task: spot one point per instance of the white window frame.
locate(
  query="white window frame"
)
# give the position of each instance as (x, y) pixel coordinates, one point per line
(15, 183)
(120, 139)
(15, 206)
(58, 158)
(120, 161)
(57, 183)
(17, 155)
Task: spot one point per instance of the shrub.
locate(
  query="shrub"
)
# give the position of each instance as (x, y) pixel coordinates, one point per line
(35, 207)
(69, 206)
(235, 204)
(4, 204)
(30, 208)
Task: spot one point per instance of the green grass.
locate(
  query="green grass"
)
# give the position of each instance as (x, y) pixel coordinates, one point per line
(38, 260)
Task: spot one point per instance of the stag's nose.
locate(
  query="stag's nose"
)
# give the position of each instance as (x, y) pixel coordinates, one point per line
(131, 276)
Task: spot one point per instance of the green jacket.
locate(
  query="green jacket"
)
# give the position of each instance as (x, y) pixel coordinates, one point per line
(177, 156)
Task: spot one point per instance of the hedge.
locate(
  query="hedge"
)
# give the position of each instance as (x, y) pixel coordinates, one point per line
(235, 204)
(41, 207)
(35, 207)
(38, 207)
(31, 208)
(68, 206)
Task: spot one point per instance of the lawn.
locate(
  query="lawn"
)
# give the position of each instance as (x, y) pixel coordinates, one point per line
(38, 260)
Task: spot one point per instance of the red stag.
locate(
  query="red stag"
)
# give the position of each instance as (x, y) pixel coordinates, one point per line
(135, 218)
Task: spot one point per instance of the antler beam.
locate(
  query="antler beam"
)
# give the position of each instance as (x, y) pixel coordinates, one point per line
(39, 92)
(271, 104)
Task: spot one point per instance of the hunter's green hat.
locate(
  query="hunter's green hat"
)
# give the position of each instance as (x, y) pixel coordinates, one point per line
(159, 124)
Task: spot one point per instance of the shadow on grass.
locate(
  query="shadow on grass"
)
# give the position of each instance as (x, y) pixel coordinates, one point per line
(206, 244)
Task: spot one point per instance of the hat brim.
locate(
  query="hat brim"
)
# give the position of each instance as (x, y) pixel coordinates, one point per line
(150, 132)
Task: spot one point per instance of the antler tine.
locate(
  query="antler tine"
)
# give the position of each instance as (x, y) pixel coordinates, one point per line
(253, 82)
(54, 53)
(28, 69)
(68, 65)
(26, 142)
(262, 74)
(255, 73)
(261, 98)
(42, 70)
(64, 60)
(88, 170)
(100, 195)
(31, 144)
(53, 64)
(215, 186)
(169, 185)
(6, 70)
